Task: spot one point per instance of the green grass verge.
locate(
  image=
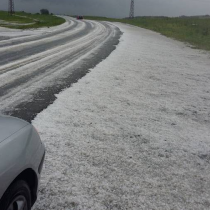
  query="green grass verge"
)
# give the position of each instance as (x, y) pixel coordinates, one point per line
(37, 20)
(193, 30)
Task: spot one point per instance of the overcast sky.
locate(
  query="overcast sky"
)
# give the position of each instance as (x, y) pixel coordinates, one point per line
(114, 8)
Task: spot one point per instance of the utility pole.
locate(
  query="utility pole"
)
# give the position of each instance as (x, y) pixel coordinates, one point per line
(132, 10)
(11, 7)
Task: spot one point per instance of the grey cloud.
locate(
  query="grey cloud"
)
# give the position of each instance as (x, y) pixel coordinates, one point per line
(114, 8)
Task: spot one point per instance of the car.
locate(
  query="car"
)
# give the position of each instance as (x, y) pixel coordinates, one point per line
(80, 18)
(22, 155)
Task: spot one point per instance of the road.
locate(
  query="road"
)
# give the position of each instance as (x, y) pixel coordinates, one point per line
(35, 66)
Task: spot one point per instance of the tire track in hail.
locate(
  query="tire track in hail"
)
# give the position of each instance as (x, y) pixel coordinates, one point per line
(22, 46)
(11, 56)
(16, 41)
(68, 57)
(49, 53)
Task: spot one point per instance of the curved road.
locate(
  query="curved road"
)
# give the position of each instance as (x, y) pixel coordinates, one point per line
(35, 67)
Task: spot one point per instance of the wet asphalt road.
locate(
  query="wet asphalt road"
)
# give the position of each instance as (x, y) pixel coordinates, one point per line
(33, 69)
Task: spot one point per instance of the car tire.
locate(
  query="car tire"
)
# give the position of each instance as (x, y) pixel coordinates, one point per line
(17, 197)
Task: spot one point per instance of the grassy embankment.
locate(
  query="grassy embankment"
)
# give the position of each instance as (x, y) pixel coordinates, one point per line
(193, 30)
(36, 20)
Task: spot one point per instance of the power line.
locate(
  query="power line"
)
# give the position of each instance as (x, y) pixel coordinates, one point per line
(132, 9)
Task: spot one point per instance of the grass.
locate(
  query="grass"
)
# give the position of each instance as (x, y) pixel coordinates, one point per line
(193, 30)
(36, 20)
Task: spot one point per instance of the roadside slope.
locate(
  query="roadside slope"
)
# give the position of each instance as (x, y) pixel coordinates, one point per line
(192, 30)
(134, 133)
(23, 20)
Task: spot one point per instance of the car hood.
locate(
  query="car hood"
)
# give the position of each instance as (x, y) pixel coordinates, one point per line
(9, 126)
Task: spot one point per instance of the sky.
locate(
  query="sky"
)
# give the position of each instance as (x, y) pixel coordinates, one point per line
(114, 8)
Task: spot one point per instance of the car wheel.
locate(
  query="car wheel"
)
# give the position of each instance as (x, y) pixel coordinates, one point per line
(17, 197)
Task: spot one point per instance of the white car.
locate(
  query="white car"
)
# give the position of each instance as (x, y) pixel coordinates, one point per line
(21, 159)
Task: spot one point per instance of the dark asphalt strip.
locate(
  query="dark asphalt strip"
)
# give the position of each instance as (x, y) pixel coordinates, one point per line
(44, 97)
(3, 38)
(9, 56)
